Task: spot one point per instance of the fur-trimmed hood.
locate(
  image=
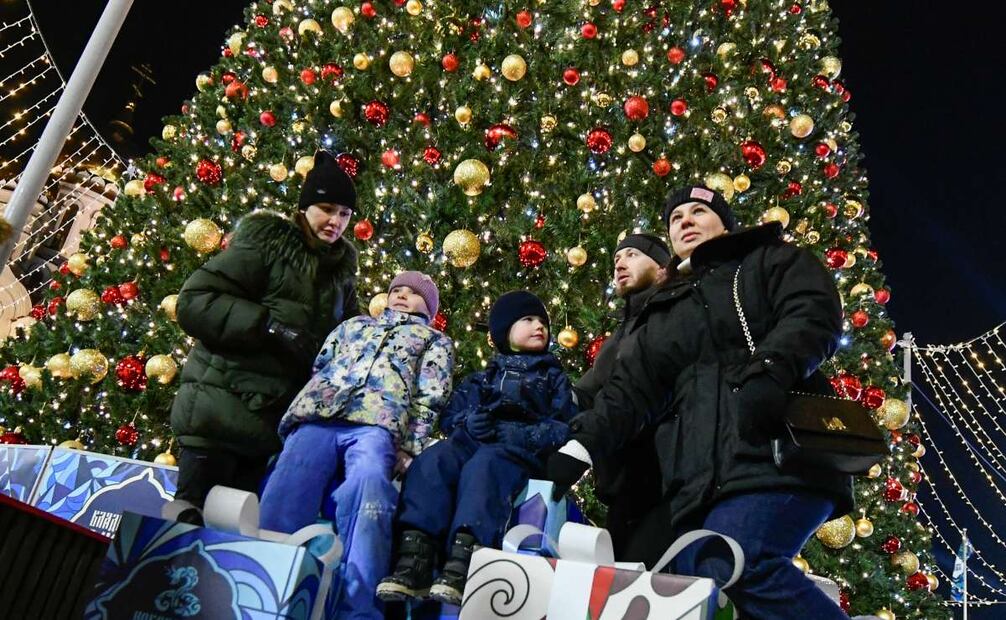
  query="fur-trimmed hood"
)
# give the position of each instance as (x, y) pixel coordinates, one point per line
(280, 237)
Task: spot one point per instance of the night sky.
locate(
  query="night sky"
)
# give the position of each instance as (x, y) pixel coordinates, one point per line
(922, 76)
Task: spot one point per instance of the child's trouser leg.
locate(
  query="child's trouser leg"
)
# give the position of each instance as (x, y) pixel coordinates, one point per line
(309, 461)
(489, 482)
(365, 508)
(431, 486)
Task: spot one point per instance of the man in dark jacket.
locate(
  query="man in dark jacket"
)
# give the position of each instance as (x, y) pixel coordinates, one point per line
(716, 406)
(259, 311)
(627, 481)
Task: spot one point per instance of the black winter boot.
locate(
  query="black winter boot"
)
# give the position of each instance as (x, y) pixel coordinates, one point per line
(450, 585)
(414, 570)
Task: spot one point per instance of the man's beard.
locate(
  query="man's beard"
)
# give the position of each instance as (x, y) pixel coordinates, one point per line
(645, 280)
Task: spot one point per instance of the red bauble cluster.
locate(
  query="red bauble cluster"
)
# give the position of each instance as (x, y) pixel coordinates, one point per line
(164, 255)
(599, 140)
(892, 544)
(152, 180)
(531, 253)
(679, 107)
(209, 172)
(835, 257)
(439, 322)
(571, 76)
(127, 435)
(10, 376)
(349, 164)
(753, 154)
(496, 133)
(636, 108)
(331, 72)
(130, 373)
(111, 295)
(13, 437)
(873, 397)
(778, 84)
(859, 319)
(449, 62)
(662, 167)
(363, 230)
(267, 118)
(847, 386)
(376, 113)
(119, 242)
(431, 155)
(593, 349)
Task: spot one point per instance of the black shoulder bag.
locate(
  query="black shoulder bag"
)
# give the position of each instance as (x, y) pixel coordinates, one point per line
(821, 431)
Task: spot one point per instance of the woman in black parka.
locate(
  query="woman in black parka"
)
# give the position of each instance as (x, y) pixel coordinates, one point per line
(716, 406)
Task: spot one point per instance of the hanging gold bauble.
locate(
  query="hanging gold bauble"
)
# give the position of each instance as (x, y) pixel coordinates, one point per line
(864, 527)
(224, 127)
(202, 235)
(304, 165)
(586, 203)
(335, 108)
(603, 100)
(463, 115)
(413, 7)
(137, 239)
(377, 304)
(308, 25)
(861, 289)
(166, 458)
(742, 183)
(361, 61)
(471, 176)
(278, 172)
(802, 564)
(77, 263)
(852, 209)
(630, 57)
(482, 72)
(169, 306)
(719, 115)
(801, 126)
(934, 583)
(722, 183)
(513, 67)
(134, 188)
(59, 366)
(72, 444)
(31, 375)
(298, 126)
(169, 132)
(548, 123)
(342, 18)
(281, 5)
(249, 152)
(221, 111)
(726, 49)
(568, 337)
(813, 237)
(424, 243)
(894, 413)
(776, 214)
(831, 67)
(161, 368)
(875, 471)
(637, 142)
(837, 533)
(885, 614)
(775, 111)
(83, 304)
(203, 81)
(919, 452)
(576, 256)
(809, 41)
(401, 64)
(752, 93)
(89, 364)
(270, 75)
(850, 260)
(907, 561)
(461, 247)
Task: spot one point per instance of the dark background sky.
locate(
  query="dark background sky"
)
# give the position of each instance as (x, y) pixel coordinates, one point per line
(924, 80)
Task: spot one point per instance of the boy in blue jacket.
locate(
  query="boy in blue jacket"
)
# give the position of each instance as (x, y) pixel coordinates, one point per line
(501, 423)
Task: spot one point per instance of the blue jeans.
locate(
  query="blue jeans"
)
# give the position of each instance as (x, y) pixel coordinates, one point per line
(351, 465)
(771, 527)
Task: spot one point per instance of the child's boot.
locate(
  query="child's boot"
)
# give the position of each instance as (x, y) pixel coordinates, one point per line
(413, 572)
(450, 585)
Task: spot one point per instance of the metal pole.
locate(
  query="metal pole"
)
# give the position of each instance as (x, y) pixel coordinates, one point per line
(964, 533)
(906, 344)
(54, 136)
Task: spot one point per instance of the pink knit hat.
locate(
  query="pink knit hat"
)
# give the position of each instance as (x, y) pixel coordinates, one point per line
(422, 285)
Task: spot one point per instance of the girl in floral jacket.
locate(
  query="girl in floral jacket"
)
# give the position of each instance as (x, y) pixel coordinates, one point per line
(378, 387)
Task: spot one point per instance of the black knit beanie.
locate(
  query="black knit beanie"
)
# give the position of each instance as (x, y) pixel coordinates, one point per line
(697, 193)
(509, 309)
(327, 182)
(651, 245)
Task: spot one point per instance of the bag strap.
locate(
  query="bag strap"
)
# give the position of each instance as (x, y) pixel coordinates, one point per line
(740, 311)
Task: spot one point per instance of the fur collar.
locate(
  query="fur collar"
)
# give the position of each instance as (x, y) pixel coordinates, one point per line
(280, 238)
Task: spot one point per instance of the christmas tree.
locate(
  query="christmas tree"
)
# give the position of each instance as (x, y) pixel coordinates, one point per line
(495, 146)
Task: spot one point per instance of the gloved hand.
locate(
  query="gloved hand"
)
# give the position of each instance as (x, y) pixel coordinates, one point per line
(564, 471)
(535, 438)
(295, 342)
(762, 398)
(481, 425)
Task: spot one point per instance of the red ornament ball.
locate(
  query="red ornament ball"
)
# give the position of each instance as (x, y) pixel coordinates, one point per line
(822, 150)
(593, 349)
(153, 180)
(571, 76)
(915, 477)
(843, 600)
(267, 118)
(209, 172)
(830, 210)
(793, 188)
(679, 107)
(431, 155)
(236, 89)
(917, 581)
(227, 77)
(129, 290)
(859, 318)
(636, 108)
(439, 322)
(376, 113)
(753, 154)
(618, 5)
(882, 295)
(367, 10)
(896, 437)
(111, 295)
(119, 242)
(127, 435)
(831, 170)
(162, 161)
(130, 374)
(349, 164)
(286, 33)
(662, 167)
(777, 84)
(14, 437)
(331, 72)
(390, 158)
(496, 133)
(422, 118)
(363, 230)
(891, 545)
(54, 305)
(539, 222)
(711, 81)
(64, 269)
(676, 55)
(178, 194)
(524, 19)
(835, 257)
(55, 286)
(820, 81)
(10, 375)
(261, 21)
(838, 87)
(599, 140)
(449, 62)
(795, 9)
(728, 7)
(38, 312)
(237, 141)
(873, 397)
(165, 255)
(588, 30)
(531, 253)
(847, 386)
(308, 76)
(893, 490)
(914, 439)
(910, 508)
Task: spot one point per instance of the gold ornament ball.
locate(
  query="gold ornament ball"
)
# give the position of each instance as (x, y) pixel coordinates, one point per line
(202, 235)
(837, 533)
(482, 72)
(89, 364)
(752, 93)
(361, 61)
(603, 99)
(77, 263)
(461, 247)
(934, 583)
(593, 2)
(630, 57)
(424, 243)
(221, 111)
(134, 188)
(885, 614)
(84, 304)
(342, 18)
(137, 239)
(463, 115)
(71, 444)
(718, 115)
(249, 152)
(270, 75)
(166, 458)
(864, 528)
(852, 209)
(308, 25)
(722, 183)
(919, 452)
(31, 375)
(513, 68)
(813, 237)
(298, 126)
(203, 82)
(278, 172)
(726, 49)
(831, 67)
(169, 305)
(586, 203)
(742, 183)
(161, 368)
(907, 561)
(802, 564)
(776, 214)
(401, 64)
(568, 337)
(894, 413)
(548, 123)
(775, 111)
(637, 142)
(875, 471)
(224, 127)
(169, 132)
(912, 466)
(809, 41)
(783, 167)
(471, 176)
(304, 165)
(801, 126)
(377, 304)
(861, 289)
(235, 41)
(335, 108)
(850, 260)
(59, 366)
(281, 5)
(576, 256)
(413, 7)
